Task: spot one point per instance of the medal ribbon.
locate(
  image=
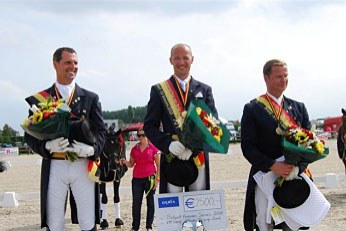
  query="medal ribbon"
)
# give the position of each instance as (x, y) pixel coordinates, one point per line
(58, 95)
(183, 95)
(277, 111)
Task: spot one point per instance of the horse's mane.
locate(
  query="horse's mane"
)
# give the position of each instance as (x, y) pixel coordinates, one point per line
(343, 125)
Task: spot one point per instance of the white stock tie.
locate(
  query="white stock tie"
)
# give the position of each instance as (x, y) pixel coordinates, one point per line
(183, 86)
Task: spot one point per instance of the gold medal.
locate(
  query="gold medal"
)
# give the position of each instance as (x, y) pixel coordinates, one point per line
(279, 130)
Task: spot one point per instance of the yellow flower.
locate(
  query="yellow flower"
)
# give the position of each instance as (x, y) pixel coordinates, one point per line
(319, 147)
(301, 137)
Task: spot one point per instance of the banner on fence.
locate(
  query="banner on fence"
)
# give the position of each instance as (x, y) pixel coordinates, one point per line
(9, 151)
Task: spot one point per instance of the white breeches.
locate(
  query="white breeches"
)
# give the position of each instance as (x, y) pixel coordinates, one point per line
(199, 184)
(64, 175)
(261, 203)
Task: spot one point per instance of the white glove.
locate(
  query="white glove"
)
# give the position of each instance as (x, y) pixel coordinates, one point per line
(57, 145)
(82, 149)
(179, 150)
(293, 174)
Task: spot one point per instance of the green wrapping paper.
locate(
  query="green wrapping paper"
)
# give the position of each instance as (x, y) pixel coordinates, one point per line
(295, 154)
(54, 127)
(196, 136)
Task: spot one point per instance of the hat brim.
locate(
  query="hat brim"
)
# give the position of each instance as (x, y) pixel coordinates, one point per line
(83, 131)
(180, 173)
(292, 193)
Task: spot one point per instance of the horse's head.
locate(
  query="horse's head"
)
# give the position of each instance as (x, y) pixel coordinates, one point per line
(113, 148)
(343, 111)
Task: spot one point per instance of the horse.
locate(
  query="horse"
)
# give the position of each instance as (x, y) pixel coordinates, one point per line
(3, 166)
(112, 170)
(341, 140)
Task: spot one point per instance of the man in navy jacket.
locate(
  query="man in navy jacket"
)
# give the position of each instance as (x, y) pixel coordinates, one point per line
(160, 128)
(261, 139)
(59, 175)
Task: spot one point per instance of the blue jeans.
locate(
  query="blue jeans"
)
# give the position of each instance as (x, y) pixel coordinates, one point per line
(139, 187)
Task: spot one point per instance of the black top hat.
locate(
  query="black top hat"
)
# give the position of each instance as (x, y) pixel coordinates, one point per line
(180, 172)
(291, 193)
(83, 131)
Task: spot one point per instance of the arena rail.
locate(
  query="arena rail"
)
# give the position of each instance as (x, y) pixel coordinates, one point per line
(10, 199)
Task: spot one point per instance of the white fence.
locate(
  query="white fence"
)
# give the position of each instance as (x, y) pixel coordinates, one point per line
(10, 199)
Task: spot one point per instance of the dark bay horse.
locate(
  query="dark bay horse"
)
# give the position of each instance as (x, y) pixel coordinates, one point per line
(111, 171)
(341, 140)
(3, 166)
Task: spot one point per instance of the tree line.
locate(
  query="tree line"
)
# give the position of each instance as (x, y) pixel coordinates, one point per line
(127, 116)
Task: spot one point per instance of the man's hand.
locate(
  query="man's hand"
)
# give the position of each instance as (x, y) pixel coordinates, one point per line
(179, 150)
(82, 149)
(282, 169)
(57, 145)
(293, 174)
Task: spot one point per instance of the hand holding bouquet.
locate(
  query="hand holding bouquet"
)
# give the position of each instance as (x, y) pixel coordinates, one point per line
(301, 145)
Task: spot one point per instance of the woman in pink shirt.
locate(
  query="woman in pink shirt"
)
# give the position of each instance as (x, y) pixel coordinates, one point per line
(145, 160)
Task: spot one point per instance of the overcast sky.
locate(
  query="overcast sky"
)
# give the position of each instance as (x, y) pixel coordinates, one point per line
(123, 48)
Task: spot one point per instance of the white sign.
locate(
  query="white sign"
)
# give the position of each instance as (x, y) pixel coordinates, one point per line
(173, 209)
(9, 151)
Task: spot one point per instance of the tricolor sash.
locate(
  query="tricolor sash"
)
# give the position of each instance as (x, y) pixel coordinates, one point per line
(42, 96)
(175, 109)
(276, 111)
(38, 97)
(173, 104)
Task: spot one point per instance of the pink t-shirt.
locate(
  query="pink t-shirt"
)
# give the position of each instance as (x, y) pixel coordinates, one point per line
(144, 161)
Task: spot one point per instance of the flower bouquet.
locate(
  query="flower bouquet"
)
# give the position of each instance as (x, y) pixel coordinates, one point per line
(50, 119)
(201, 130)
(301, 145)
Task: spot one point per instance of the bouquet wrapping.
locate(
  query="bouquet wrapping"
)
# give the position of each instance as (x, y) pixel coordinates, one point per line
(295, 154)
(197, 134)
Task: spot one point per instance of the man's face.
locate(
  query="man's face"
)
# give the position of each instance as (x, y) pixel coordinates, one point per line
(277, 81)
(181, 59)
(66, 69)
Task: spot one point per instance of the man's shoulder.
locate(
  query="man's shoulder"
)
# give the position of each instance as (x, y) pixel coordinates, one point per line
(199, 83)
(292, 101)
(89, 93)
(252, 102)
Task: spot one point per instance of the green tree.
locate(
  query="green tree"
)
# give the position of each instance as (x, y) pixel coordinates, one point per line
(7, 139)
(7, 131)
(126, 116)
(130, 113)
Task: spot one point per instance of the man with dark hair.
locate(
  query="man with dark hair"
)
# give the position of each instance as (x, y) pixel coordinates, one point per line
(58, 174)
(261, 135)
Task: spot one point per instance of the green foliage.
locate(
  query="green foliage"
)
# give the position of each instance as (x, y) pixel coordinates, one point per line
(236, 125)
(6, 131)
(7, 140)
(126, 116)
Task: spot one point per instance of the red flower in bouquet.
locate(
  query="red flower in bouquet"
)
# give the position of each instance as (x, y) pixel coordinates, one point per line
(211, 123)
